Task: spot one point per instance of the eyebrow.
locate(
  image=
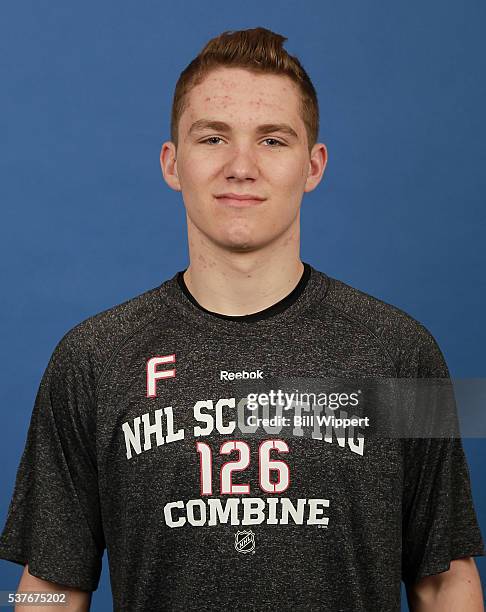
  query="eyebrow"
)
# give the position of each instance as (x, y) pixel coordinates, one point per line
(221, 126)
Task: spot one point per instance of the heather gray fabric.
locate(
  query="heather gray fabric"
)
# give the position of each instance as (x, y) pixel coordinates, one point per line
(400, 510)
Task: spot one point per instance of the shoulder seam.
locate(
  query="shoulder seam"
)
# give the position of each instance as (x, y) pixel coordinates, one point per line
(360, 323)
(115, 353)
(118, 347)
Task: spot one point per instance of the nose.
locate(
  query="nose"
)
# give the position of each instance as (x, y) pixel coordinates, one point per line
(241, 165)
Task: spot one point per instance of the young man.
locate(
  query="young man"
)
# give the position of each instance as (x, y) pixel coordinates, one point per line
(137, 441)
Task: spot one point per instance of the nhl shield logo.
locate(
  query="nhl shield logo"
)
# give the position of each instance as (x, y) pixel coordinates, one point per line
(245, 541)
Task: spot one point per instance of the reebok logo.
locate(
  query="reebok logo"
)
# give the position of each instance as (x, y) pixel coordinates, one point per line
(225, 375)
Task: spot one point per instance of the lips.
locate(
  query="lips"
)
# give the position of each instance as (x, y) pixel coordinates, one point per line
(239, 200)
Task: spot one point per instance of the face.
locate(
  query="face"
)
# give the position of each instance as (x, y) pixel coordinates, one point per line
(242, 134)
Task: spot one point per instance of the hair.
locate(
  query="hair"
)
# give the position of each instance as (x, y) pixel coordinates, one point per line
(258, 50)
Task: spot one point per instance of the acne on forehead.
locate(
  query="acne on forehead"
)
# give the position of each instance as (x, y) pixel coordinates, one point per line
(225, 101)
(225, 78)
(208, 97)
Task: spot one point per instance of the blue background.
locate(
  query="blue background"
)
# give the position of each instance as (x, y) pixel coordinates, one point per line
(87, 221)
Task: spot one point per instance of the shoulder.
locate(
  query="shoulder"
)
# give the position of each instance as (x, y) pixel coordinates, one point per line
(409, 343)
(90, 343)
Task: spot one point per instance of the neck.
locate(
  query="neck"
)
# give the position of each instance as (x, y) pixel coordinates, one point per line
(241, 283)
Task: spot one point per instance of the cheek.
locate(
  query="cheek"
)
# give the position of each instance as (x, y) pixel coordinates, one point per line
(284, 171)
(289, 183)
(195, 174)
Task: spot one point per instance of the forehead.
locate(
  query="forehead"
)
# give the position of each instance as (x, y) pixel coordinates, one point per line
(236, 94)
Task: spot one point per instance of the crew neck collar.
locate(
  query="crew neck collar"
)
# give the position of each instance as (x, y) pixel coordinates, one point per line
(279, 306)
(312, 286)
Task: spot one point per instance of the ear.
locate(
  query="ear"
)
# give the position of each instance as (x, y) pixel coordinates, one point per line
(317, 165)
(168, 164)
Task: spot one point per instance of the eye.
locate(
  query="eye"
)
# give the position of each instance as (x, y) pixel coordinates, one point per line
(210, 138)
(281, 144)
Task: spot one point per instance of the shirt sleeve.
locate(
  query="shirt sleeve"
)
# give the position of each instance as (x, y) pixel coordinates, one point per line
(54, 521)
(439, 519)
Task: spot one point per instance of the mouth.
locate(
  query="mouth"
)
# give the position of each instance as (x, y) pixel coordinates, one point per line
(237, 201)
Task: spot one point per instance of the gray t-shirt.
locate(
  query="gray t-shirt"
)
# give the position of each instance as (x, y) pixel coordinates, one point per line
(136, 444)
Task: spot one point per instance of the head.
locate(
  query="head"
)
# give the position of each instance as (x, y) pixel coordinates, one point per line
(244, 121)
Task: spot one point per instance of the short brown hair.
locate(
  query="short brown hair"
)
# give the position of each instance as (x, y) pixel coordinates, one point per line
(258, 50)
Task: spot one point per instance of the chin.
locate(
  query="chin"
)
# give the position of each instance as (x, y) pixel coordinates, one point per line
(241, 246)
(238, 240)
